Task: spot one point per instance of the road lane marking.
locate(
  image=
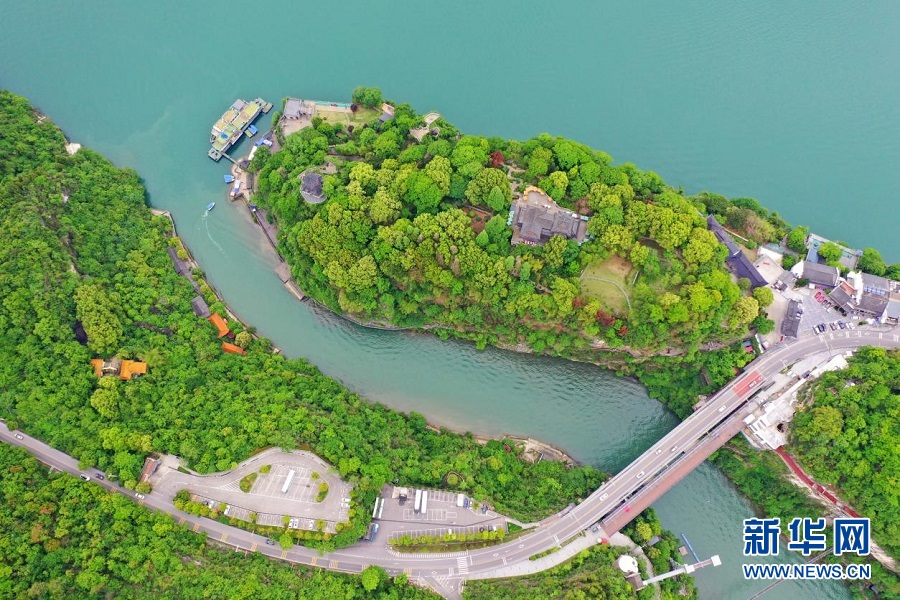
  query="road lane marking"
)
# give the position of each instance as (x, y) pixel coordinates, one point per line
(181, 521)
(196, 527)
(333, 564)
(253, 547)
(408, 571)
(284, 554)
(224, 537)
(313, 561)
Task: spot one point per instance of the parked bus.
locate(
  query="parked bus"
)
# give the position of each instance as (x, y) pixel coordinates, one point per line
(424, 503)
(379, 508)
(287, 483)
(418, 505)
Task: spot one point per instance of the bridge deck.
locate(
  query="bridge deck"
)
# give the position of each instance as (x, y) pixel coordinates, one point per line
(664, 482)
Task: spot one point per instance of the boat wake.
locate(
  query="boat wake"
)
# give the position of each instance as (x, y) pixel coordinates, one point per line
(209, 233)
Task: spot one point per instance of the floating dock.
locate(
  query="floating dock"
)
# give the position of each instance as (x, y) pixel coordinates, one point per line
(232, 124)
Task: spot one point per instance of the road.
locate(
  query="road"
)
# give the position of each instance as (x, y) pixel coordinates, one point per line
(615, 503)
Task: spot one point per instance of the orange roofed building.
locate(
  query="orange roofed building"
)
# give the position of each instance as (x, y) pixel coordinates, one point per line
(232, 349)
(131, 369)
(220, 324)
(125, 369)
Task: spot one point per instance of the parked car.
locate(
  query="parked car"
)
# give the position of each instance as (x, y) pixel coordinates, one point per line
(270, 541)
(833, 326)
(100, 476)
(842, 325)
(85, 477)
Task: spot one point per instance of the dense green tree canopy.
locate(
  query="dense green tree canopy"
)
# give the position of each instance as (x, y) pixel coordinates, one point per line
(848, 435)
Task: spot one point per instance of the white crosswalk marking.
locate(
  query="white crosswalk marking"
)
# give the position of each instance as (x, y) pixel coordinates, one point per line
(462, 565)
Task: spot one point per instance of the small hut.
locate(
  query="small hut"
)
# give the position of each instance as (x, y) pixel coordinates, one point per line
(201, 308)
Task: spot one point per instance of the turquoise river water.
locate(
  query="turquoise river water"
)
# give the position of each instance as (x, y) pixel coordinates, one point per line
(792, 106)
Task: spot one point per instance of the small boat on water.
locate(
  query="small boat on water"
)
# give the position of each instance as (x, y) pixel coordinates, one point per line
(210, 206)
(229, 178)
(251, 130)
(236, 190)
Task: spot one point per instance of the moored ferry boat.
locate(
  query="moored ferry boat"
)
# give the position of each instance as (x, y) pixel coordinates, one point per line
(233, 123)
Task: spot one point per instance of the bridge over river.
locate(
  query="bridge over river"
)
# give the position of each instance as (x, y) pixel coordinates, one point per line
(613, 505)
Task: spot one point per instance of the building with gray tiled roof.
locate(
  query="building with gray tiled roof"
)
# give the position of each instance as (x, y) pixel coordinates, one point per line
(536, 218)
(821, 275)
(737, 261)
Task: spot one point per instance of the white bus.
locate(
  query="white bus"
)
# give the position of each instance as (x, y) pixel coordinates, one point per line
(418, 505)
(424, 503)
(287, 483)
(379, 508)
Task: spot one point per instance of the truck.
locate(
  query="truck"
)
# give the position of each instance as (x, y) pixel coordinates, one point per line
(370, 532)
(424, 503)
(418, 504)
(460, 500)
(749, 419)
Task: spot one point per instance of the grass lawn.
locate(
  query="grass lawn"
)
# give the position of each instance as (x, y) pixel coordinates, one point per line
(360, 117)
(609, 281)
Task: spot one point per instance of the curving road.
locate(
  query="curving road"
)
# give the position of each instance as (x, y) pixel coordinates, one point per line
(614, 504)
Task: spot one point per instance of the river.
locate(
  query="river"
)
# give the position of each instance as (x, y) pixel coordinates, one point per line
(792, 106)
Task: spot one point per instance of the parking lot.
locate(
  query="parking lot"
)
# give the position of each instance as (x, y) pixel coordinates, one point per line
(302, 488)
(815, 312)
(267, 497)
(442, 511)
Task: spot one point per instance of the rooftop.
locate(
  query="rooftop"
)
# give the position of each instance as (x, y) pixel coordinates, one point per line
(849, 256)
(232, 349)
(131, 369)
(791, 324)
(311, 188)
(220, 324)
(201, 308)
(738, 261)
(819, 274)
(295, 108)
(537, 218)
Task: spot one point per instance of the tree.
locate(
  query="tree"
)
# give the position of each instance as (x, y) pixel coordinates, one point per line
(422, 192)
(555, 184)
(745, 309)
(764, 296)
(243, 339)
(871, 262)
(97, 312)
(372, 576)
(483, 184)
(370, 97)
(643, 532)
(796, 239)
(831, 252)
